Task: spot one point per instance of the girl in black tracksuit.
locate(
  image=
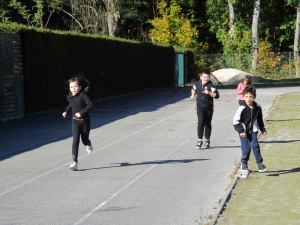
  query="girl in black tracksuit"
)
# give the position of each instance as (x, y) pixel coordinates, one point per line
(206, 92)
(80, 105)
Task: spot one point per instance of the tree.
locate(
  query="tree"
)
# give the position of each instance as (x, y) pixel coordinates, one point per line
(34, 17)
(255, 34)
(85, 16)
(92, 16)
(231, 18)
(296, 41)
(113, 15)
(4, 12)
(172, 27)
(296, 4)
(230, 21)
(135, 16)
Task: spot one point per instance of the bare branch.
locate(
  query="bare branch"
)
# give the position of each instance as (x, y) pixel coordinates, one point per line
(73, 18)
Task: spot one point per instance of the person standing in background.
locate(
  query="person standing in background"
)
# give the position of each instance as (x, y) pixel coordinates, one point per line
(246, 81)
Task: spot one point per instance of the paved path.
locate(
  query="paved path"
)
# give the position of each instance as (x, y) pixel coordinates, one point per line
(144, 168)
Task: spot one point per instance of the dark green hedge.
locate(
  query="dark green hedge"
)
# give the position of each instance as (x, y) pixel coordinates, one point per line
(113, 66)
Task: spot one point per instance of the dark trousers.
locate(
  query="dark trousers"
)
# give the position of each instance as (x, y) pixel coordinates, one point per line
(204, 121)
(250, 143)
(241, 102)
(80, 128)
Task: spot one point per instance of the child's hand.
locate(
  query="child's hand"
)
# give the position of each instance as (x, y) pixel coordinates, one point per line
(77, 115)
(205, 91)
(264, 133)
(243, 135)
(64, 114)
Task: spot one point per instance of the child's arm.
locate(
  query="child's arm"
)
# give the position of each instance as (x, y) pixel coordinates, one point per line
(260, 123)
(193, 93)
(89, 105)
(65, 113)
(237, 123)
(212, 94)
(239, 89)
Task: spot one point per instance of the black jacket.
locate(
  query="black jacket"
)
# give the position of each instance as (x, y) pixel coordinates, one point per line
(79, 103)
(249, 120)
(203, 100)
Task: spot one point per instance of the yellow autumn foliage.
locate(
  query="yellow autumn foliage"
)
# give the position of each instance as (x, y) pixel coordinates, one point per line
(172, 28)
(270, 64)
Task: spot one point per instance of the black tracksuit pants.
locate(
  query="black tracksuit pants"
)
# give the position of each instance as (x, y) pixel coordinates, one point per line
(204, 122)
(80, 128)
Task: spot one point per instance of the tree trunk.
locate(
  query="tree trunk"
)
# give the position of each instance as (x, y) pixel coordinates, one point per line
(112, 17)
(296, 41)
(231, 19)
(255, 34)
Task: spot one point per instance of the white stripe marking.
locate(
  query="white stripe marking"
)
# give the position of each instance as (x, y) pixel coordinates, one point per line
(10, 190)
(130, 183)
(51, 139)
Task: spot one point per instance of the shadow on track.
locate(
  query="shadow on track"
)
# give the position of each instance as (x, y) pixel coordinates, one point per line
(29, 133)
(156, 162)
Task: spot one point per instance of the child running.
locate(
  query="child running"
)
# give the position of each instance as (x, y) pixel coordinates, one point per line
(246, 81)
(80, 104)
(247, 121)
(206, 92)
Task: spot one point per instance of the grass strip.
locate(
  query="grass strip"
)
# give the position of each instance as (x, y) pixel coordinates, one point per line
(272, 197)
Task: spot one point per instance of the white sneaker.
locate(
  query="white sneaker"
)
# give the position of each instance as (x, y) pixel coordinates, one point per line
(89, 149)
(74, 166)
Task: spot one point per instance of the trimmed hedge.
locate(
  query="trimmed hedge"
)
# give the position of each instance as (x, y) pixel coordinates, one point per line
(113, 66)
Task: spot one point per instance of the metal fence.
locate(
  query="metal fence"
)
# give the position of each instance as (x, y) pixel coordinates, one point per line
(270, 65)
(11, 77)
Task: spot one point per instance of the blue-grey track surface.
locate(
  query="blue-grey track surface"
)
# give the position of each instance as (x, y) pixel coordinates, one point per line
(145, 168)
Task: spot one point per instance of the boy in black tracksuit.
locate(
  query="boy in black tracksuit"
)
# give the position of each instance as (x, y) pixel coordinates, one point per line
(206, 92)
(247, 121)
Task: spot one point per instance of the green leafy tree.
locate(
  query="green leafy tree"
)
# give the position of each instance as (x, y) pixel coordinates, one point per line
(276, 20)
(277, 17)
(34, 16)
(231, 25)
(4, 12)
(134, 19)
(135, 16)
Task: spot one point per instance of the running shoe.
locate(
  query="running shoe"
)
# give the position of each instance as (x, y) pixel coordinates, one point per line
(199, 144)
(261, 168)
(89, 149)
(74, 166)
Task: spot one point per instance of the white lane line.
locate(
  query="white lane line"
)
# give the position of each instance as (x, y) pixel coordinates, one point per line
(68, 134)
(35, 144)
(26, 182)
(33, 179)
(130, 183)
(52, 121)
